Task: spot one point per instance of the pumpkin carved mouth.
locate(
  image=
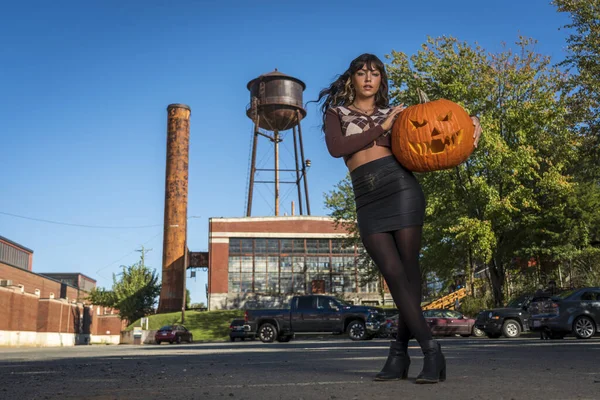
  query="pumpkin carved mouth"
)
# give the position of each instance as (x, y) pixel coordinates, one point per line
(436, 146)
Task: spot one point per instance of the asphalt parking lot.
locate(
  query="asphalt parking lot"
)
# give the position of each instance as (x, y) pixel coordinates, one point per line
(526, 368)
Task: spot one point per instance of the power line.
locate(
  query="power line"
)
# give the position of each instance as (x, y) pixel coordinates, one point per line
(128, 254)
(83, 225)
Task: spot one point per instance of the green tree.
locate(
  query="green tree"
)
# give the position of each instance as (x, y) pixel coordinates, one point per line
(583, 86)
(134, 292)
(188, 299)
(497, 207)
(583, 61)
(514, 198)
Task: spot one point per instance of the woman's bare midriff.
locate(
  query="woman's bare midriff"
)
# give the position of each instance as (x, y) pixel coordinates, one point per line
(364, 156)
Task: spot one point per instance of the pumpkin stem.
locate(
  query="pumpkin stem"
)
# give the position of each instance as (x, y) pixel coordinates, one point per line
(423, 98)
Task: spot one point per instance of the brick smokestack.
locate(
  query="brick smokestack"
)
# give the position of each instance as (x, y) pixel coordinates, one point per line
(176, 198)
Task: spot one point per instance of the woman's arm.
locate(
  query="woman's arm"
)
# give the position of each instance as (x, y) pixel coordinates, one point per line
(340, 145)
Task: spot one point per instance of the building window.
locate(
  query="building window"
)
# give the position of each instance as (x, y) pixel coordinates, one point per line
(247, 246)
(299, 283)
(234, 264)
(287, 246)
(260, 282)
(273, 246)
(299, 246)
(234, 282)
(246, 283)
(324, 246)
(260, 264)
(293, 266)
(312, 246)
(246, 264)
(13, 256)
(260, 246)
(286, 265)
(235, 246)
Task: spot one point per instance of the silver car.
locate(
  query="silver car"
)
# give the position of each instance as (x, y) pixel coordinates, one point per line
(574, 311)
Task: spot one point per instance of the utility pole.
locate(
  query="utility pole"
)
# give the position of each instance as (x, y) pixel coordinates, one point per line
(143, 256)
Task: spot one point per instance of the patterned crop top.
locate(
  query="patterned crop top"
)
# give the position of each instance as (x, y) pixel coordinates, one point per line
(348, 131)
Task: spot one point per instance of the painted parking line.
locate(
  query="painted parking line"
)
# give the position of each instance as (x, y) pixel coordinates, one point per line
(271, 385)
(34, 372)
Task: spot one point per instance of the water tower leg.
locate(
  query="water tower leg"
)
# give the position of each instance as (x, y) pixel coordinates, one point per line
(276, 147)
(303, 162)
(297, 171)
(252, 168)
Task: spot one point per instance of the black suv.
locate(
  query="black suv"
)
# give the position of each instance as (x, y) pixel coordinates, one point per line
(238, 329)
(509, 321)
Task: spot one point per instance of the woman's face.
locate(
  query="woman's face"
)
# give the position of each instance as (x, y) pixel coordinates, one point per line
(366, 82)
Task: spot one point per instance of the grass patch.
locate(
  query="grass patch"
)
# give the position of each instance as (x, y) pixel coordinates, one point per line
(205, 325)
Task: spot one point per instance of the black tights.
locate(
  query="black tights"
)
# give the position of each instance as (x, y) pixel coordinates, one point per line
(396, 254)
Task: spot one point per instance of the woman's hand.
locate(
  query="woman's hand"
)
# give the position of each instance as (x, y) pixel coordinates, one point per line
(389, 122)
(478, 130)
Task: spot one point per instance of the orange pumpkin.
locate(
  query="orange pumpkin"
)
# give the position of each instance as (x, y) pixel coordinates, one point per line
(432, 136)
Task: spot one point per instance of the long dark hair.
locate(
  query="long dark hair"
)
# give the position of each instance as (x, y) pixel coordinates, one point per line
(338, 94)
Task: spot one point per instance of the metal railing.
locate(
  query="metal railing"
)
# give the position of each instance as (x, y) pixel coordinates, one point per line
(448, 301)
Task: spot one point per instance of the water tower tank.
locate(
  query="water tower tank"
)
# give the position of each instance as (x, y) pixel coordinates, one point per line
(277, 97)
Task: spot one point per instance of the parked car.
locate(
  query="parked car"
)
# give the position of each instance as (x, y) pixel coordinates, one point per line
(450, 322)
(509, 321)
(574, 311)
(173, 334)
(442, 323)
(315, 314)
(390, 325)
(238, 329)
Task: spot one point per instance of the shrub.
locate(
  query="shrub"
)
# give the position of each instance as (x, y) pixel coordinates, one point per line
(471, 306)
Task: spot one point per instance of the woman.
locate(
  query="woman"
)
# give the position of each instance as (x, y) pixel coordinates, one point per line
(390, 204)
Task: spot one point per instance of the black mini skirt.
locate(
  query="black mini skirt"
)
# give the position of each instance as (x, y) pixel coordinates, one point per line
(388, 197)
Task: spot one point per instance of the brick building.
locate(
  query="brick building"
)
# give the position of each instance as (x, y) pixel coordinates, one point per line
(14, 254)
(77, 280)
(263, 261)
(42, 310)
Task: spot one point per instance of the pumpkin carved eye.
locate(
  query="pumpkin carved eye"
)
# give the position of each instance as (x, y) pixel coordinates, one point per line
(417, 124)
(446, 117)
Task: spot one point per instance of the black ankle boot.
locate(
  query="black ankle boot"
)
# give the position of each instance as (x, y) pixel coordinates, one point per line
(434, 363)
(396, 366)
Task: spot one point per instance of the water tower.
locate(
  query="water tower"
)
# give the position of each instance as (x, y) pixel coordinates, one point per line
(276, 106)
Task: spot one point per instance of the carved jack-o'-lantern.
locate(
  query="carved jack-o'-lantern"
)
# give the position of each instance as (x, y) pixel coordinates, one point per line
(432, 136)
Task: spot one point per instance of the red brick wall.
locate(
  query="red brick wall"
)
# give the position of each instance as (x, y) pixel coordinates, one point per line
(219, 268)
(18, 312)
(107, 323)
(284, 225)
(55, 316)
(32, 281)
(26, 312)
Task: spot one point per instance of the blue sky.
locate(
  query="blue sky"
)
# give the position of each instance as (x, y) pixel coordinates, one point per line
(84, 87)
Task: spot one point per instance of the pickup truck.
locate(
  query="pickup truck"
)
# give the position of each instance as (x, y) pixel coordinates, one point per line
(313, 314)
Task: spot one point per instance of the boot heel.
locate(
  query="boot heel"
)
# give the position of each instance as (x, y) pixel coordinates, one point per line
(443, 375)
(405, 374)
